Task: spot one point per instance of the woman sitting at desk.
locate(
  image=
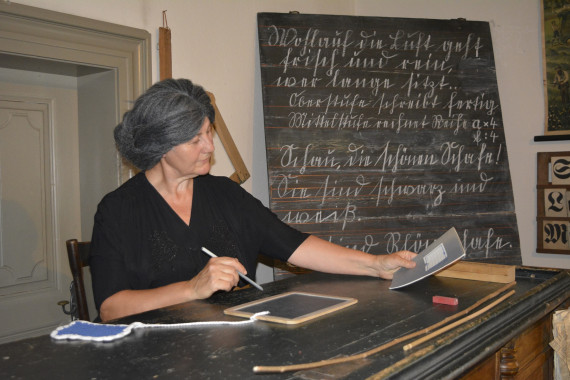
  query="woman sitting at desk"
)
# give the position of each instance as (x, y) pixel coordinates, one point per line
(148, 233)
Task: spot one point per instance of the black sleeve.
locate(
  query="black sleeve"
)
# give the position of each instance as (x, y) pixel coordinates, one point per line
(107, 263)
(278, 239)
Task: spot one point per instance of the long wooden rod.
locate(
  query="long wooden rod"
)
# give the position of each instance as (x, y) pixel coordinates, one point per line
(417, 342)
(321, 363)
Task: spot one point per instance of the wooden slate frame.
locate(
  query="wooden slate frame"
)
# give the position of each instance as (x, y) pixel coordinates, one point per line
(279, 302)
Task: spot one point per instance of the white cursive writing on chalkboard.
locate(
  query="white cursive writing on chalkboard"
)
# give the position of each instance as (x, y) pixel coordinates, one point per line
(390, 190)
(458, 156)
(342, 215)
(473, 104)
(485, 240)
(330, 190)
(307, 159)
(396, 241)
(386, 125)
(487, 243)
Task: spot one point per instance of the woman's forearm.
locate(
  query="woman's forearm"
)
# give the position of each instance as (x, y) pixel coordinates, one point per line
(318, 254)
(321, 255)
(128, 302)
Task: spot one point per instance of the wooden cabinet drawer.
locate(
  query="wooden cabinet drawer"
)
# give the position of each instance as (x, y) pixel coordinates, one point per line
(528, 356)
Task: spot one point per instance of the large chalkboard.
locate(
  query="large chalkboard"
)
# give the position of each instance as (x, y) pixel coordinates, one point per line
(382, 133)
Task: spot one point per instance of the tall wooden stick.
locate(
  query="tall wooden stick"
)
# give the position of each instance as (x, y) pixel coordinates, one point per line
(164, 49)
(417, 342)
(241, 173)
(321, 363)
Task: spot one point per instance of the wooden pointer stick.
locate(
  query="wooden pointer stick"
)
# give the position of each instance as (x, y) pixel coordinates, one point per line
(321, 363)
(457, 323)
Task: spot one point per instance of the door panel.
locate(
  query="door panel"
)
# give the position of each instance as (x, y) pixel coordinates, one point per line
(24, 250)
(39, 195)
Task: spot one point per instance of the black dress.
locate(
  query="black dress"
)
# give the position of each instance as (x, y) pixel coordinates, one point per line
(139, 242)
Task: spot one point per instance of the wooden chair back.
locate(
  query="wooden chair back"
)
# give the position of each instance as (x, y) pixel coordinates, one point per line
(78, 255)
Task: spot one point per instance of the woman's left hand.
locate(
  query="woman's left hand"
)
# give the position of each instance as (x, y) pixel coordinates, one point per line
(386, 265)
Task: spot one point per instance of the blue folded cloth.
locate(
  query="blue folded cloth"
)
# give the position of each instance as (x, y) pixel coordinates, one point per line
(100, 332)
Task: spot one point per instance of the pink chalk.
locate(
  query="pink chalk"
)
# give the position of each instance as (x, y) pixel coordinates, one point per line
(445, 300)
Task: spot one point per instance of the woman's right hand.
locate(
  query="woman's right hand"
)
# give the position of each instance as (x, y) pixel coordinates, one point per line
(220, 273)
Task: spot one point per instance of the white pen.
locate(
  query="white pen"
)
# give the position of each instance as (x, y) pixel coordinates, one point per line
(211, 254)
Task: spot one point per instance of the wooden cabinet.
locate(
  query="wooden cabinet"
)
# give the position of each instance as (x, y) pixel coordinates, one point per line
(528, 356)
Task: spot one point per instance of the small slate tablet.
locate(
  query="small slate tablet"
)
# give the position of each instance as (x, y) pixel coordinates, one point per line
(438, 255)
(292, 307)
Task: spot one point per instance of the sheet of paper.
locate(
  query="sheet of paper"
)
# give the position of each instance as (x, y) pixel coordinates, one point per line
(441, 253)
(561, 344)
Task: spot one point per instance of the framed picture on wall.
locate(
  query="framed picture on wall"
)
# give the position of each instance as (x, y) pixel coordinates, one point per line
(553, 197)
(556, 67)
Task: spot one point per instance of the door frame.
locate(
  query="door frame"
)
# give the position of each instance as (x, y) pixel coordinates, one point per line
(80, 46)
(102, 56)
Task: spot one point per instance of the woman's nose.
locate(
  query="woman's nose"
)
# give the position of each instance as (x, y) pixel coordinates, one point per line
(209, 144)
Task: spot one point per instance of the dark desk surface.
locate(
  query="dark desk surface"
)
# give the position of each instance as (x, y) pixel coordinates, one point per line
(380, 316)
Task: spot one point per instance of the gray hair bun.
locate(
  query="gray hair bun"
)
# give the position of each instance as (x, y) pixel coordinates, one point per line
(169, 113)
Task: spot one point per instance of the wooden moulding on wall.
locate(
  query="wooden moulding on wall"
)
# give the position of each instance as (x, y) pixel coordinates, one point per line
(553, 195)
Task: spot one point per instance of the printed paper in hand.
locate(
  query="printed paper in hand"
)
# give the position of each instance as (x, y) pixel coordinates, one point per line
(441, 253)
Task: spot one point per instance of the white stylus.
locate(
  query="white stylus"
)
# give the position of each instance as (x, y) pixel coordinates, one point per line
(211, 254)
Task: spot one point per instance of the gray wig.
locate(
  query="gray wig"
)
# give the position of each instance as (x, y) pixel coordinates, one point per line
(169, 113)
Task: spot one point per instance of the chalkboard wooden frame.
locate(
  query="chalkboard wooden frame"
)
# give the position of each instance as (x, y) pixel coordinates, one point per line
(292, 307)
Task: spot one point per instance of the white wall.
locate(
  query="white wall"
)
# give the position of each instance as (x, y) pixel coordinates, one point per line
(214, 44)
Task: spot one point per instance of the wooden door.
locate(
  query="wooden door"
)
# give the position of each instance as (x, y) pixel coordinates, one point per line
(39, 195)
